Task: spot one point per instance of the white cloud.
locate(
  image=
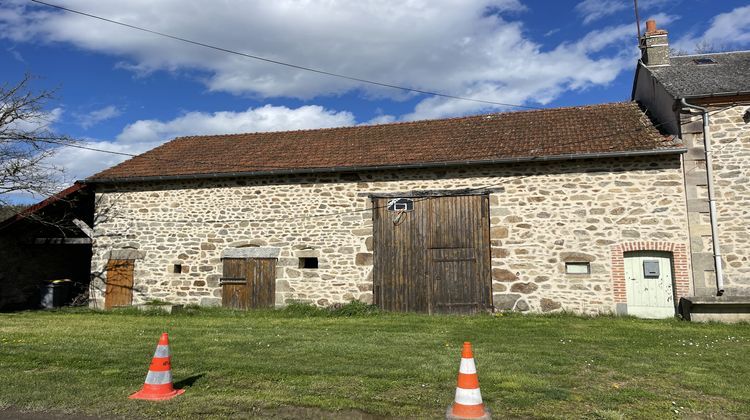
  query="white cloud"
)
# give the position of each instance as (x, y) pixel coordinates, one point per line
(95, 117)
(459, 47)
(592, 10)
(381, 119)
(729, 30)
(43, 122)
(266, 118)
(144, 135)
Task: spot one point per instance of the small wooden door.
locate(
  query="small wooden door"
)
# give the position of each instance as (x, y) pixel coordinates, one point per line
(648, 284)
(249, 283)
(119, 290)
(453, 285)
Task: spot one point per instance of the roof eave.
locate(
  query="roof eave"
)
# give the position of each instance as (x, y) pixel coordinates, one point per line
(339, 169)
(719, 95)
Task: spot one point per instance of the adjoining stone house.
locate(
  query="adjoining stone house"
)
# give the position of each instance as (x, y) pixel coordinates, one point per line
(529, 211)
(705, 100)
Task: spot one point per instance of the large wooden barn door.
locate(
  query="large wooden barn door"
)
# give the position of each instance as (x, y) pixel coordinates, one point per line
(435, 258)
(248, 283)
(119, 290)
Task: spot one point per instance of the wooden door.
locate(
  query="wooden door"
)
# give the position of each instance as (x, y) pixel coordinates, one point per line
(399, 277)
(435, 258)
(459, 255)
(249, 283)
(119, 290)
(648, 284)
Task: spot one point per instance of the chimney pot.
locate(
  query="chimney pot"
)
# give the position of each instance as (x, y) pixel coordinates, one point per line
(650, 26)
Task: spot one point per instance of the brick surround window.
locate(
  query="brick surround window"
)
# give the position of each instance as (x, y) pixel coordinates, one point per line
(679, 261)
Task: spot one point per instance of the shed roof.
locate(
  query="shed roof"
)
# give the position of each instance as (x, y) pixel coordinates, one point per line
(573, 132)
(30, 211)
(686, 78)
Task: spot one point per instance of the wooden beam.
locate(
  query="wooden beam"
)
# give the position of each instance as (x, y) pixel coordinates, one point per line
(84, 227)
(432, 193)
(61, 241)
(742, 99)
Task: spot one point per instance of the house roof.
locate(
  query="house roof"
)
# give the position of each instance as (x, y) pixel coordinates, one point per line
(686, 78)
(575, 132)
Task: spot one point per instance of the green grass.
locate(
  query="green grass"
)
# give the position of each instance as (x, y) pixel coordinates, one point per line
(264, 362)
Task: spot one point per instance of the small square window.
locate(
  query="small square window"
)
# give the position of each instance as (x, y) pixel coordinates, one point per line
(177, 269)
(308, 262)
(577, 268)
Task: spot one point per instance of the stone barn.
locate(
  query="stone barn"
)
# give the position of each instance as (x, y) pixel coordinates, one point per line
(580, 209)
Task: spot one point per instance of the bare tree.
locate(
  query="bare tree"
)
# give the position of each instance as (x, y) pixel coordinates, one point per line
(707, 47)
(701, 47)
(26, 141)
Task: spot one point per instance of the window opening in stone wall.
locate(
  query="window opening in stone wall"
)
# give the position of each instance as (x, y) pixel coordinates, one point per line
(308, 262)
(177, 269)
(577, 268)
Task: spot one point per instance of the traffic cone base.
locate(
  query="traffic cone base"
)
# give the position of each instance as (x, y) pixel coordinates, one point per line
(149, 393)
(158, 384)
(484, 415)
(468, 401)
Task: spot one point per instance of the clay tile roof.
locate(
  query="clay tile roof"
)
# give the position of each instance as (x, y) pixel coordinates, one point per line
(561, 132)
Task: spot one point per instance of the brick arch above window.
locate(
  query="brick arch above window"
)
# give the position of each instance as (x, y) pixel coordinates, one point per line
(679, 261)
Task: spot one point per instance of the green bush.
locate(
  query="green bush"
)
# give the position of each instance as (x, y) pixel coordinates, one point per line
(353, 308)
(303, 309)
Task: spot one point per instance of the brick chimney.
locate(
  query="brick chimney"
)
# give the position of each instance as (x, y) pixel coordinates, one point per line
(654, 46)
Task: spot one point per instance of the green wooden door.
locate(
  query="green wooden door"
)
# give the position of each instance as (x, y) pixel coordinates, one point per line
(648, 284)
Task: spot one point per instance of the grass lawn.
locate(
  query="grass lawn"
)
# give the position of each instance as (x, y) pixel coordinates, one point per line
(264, 362)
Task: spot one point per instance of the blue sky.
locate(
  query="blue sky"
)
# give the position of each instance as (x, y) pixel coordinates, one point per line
(128, 91)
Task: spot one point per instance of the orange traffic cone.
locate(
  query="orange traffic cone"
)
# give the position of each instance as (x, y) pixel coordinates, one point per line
(158, 384)
(468, 402)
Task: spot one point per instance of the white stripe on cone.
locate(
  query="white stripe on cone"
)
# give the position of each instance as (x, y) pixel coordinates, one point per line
(159, 378)
(467, 366)
(161, 351)
(468, 396)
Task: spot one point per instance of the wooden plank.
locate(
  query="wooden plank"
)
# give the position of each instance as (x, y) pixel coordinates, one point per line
(119, 289)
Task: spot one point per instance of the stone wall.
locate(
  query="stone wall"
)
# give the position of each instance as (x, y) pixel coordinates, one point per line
(730, 132)
(542, 215)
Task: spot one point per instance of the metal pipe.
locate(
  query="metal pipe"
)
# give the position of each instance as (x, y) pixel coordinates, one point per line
(637, 21)
(711, 199)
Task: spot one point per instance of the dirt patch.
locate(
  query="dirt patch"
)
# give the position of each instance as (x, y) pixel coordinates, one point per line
(16, 414)
(289, 413)
(281, 413)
